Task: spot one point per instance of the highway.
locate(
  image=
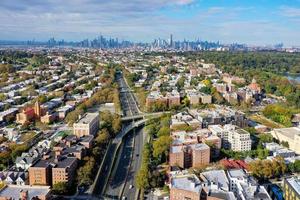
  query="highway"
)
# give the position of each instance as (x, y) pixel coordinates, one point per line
(121, 182)
(131, 193)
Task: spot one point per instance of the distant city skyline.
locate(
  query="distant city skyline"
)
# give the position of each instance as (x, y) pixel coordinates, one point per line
(257, 22)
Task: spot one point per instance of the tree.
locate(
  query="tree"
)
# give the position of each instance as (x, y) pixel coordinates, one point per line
(206, 90)
(103, 137)
(42, 99)
(142, 178)
(180, 83)
(165, 121)
(85, 173)
(285, 144)
(265, 169)
(186, 102)
(161, 146)
(217, 97)
(265, 138)
(151, 129)
(2, 97)
(163, 131)
(60, 188)
(116, 124)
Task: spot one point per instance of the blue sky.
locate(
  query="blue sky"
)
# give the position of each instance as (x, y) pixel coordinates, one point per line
(254, 22)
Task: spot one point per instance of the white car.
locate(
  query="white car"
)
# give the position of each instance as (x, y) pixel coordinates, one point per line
(130, 186)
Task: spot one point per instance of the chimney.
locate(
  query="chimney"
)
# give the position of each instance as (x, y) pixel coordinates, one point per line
(46, 156)
(24, 195)
(57, 158)
(57, 153)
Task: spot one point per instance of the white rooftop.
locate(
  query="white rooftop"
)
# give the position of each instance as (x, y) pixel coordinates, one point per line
(189, 183)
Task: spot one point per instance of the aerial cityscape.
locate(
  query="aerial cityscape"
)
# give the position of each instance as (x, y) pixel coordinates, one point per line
(149, 100)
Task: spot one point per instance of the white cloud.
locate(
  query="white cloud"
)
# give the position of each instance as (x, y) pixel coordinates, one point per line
(289, 11)
(138, 20)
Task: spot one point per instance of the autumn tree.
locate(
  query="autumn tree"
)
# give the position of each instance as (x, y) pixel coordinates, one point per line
(161, 146)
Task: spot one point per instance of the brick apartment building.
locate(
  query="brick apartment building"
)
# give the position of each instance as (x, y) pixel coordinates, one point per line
(51, 171)
(193, 155)
(186, 187)
(64, 170)
(40, 173)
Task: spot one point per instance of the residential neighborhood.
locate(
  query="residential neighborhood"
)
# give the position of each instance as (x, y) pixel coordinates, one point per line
(133, 124)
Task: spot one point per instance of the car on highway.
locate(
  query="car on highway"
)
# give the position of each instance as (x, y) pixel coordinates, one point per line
(123, 198)
(130, 186)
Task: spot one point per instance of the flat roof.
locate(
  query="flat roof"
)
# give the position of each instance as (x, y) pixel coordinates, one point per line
(87, 118)
(295, 183)
(42, 163)
(236, 173)
(13, 191)
(188, 182)
(218, 177)
(200, 146)
(288, 132)
(176, 149)
(65, 162)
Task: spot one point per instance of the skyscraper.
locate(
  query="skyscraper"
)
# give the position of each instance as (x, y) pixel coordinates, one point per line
(171, 41)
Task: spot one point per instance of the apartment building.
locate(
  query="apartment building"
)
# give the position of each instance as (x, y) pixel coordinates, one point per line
(205, 98)
(196, 97)
(291, 188)
(232, 137)
(186, 187)
(192, 155)
(245, 187)
(40, 173)
(290, 135)
(173, 98)
(176, 156)
(239, 140)
(64, 170)
(25, 192)
(53, 170)
(200, 154)
(220, 115)
(169, 100)
(193, 97)
(87, 125)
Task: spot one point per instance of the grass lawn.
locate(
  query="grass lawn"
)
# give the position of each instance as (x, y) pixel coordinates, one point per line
(27, 136)
(265, 121)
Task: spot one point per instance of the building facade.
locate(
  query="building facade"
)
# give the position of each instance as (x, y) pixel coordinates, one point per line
(87, 125)
(291, 188)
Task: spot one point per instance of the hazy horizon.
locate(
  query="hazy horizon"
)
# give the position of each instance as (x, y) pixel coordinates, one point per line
(259, 22)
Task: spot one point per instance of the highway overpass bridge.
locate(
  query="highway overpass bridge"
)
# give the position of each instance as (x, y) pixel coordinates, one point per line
(142, 116)
(105, 169)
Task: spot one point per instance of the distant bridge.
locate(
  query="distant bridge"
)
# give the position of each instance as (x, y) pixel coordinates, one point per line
(143, 115)
(119, 137)
(125, 90)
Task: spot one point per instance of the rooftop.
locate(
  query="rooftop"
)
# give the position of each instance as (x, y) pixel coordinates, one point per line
(13, 191)
(200, 146)
(66, 162)
(217, 177)
(187, 182)
(236, 173)
(295, 183)
(87, 118)
(288, 132)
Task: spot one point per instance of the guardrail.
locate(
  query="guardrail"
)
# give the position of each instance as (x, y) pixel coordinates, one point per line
(92, 188)
(110, 169)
